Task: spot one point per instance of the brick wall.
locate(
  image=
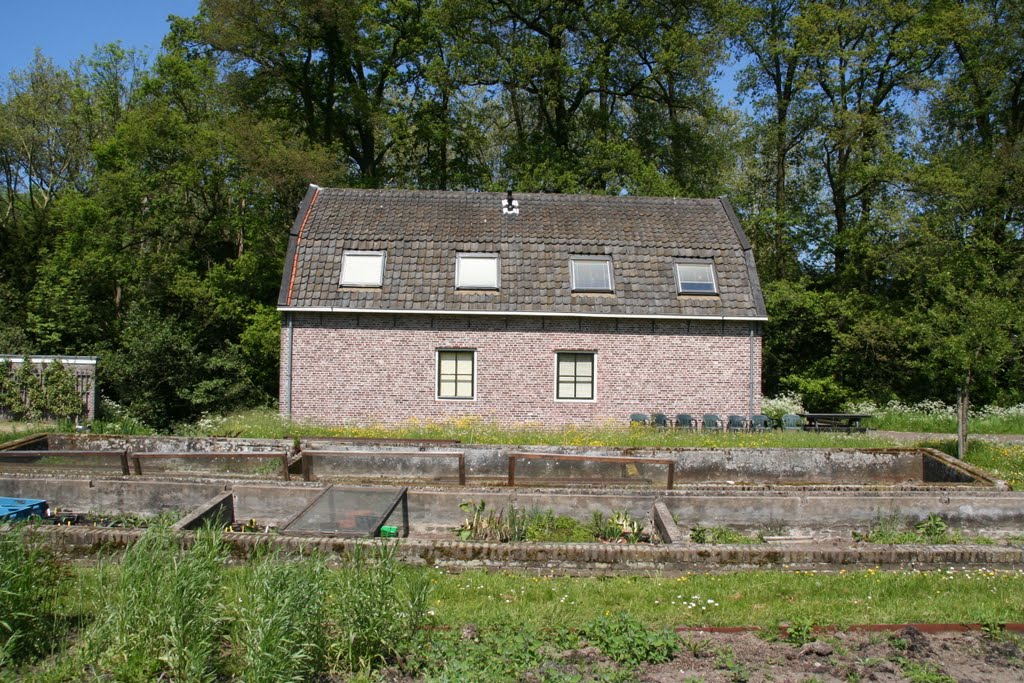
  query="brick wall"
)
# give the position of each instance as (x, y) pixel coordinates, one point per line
(381, 368)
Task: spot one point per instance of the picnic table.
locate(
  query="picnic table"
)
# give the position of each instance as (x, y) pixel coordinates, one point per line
(834, 422)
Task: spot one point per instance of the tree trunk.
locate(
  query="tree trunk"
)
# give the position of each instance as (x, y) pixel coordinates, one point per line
(962, 403)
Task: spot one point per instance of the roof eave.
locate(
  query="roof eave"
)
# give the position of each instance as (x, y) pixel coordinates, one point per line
(294, 235)
(535, 314)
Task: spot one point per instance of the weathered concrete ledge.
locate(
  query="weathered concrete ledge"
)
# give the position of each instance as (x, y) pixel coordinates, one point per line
(585, 558)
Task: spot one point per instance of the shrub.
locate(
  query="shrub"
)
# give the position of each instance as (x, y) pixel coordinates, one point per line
(820, 394)
(783, 404)
(60, 393)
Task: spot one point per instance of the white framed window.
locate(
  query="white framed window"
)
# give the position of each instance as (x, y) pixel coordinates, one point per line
(575, 374)
(362, 268)
(696, 277)
(591, 274)
(456, 373)
(477, 271)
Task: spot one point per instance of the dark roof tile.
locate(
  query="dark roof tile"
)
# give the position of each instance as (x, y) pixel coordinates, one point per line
(422, 232)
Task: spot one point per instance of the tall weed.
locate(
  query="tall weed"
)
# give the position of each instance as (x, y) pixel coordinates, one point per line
(31, 579)
(161, 620)
(277, 625)
(374, 610)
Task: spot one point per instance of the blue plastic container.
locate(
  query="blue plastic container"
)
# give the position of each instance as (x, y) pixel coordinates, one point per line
(21, 508)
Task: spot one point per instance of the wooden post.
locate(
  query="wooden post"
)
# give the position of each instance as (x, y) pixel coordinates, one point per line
(962, 403)
(304, 459)
(462, 469)
(671, 475)
(124, 463)
(284, 466)
(511, 470)
(137, 462)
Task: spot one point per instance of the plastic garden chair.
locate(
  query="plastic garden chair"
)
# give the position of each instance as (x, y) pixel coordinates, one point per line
(638, 419)
(711, 422)
(791, 422)
(737, 423)
(660, 420)
(760, 423)
(685, 421)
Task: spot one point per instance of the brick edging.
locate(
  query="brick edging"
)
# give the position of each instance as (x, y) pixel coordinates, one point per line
(584, 558)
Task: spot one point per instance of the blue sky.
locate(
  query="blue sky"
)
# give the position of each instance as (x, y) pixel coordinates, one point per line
(67, 29)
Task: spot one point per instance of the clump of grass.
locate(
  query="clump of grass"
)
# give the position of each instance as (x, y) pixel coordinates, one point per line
(720, 535)
(31, 579)
(893, 529)
(276, 631)
(374, 610)
(161, 617)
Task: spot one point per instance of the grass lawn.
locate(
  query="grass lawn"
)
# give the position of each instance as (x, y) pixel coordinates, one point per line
(750, 598)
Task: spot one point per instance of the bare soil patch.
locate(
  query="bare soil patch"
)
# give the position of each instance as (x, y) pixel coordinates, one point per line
(904, 655)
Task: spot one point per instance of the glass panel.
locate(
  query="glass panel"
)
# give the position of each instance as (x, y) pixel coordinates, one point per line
(447, 389)
(566, 368)
(695, 277)
(465, 364)
(566, 390)
(584, 367)
(592, 275)
(347, 512)
(465, 390)
(448, 364)
(362, 269)
(585, 391)
(478, 272)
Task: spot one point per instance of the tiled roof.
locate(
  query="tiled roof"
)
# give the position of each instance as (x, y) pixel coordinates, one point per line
(422, 232)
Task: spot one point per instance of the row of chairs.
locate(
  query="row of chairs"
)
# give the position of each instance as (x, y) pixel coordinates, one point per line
(710, 422)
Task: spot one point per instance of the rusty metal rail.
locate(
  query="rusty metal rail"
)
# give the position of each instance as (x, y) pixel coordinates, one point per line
(513, 457)
(307, 456)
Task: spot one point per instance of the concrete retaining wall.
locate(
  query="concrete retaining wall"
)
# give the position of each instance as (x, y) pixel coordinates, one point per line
(589, 558)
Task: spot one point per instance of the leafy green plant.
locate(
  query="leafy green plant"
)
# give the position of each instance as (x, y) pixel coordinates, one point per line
(932, 528)
(726, 659)
(627, 641)
(800, 631)
(481, 525)
(926, 672)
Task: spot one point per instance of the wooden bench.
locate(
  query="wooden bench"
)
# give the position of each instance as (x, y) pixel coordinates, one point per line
(513, 457)
(307, 456)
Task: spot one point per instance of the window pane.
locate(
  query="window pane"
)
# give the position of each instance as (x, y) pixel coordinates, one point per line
(446, 389)
(592, 275)
(465, 366)
(695, 277)
(465, 390)
(362, 269)
(575, 376)
(480, 272)
(447, 364)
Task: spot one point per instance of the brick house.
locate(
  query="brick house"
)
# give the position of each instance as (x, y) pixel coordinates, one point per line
(542, 308)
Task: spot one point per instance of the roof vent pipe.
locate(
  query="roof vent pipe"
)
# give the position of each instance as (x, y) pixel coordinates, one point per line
(509, 205)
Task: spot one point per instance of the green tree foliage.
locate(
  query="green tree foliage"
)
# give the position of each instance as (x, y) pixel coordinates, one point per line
(874, 153)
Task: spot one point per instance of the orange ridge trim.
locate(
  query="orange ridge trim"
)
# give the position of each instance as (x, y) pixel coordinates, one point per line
(298, 242)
